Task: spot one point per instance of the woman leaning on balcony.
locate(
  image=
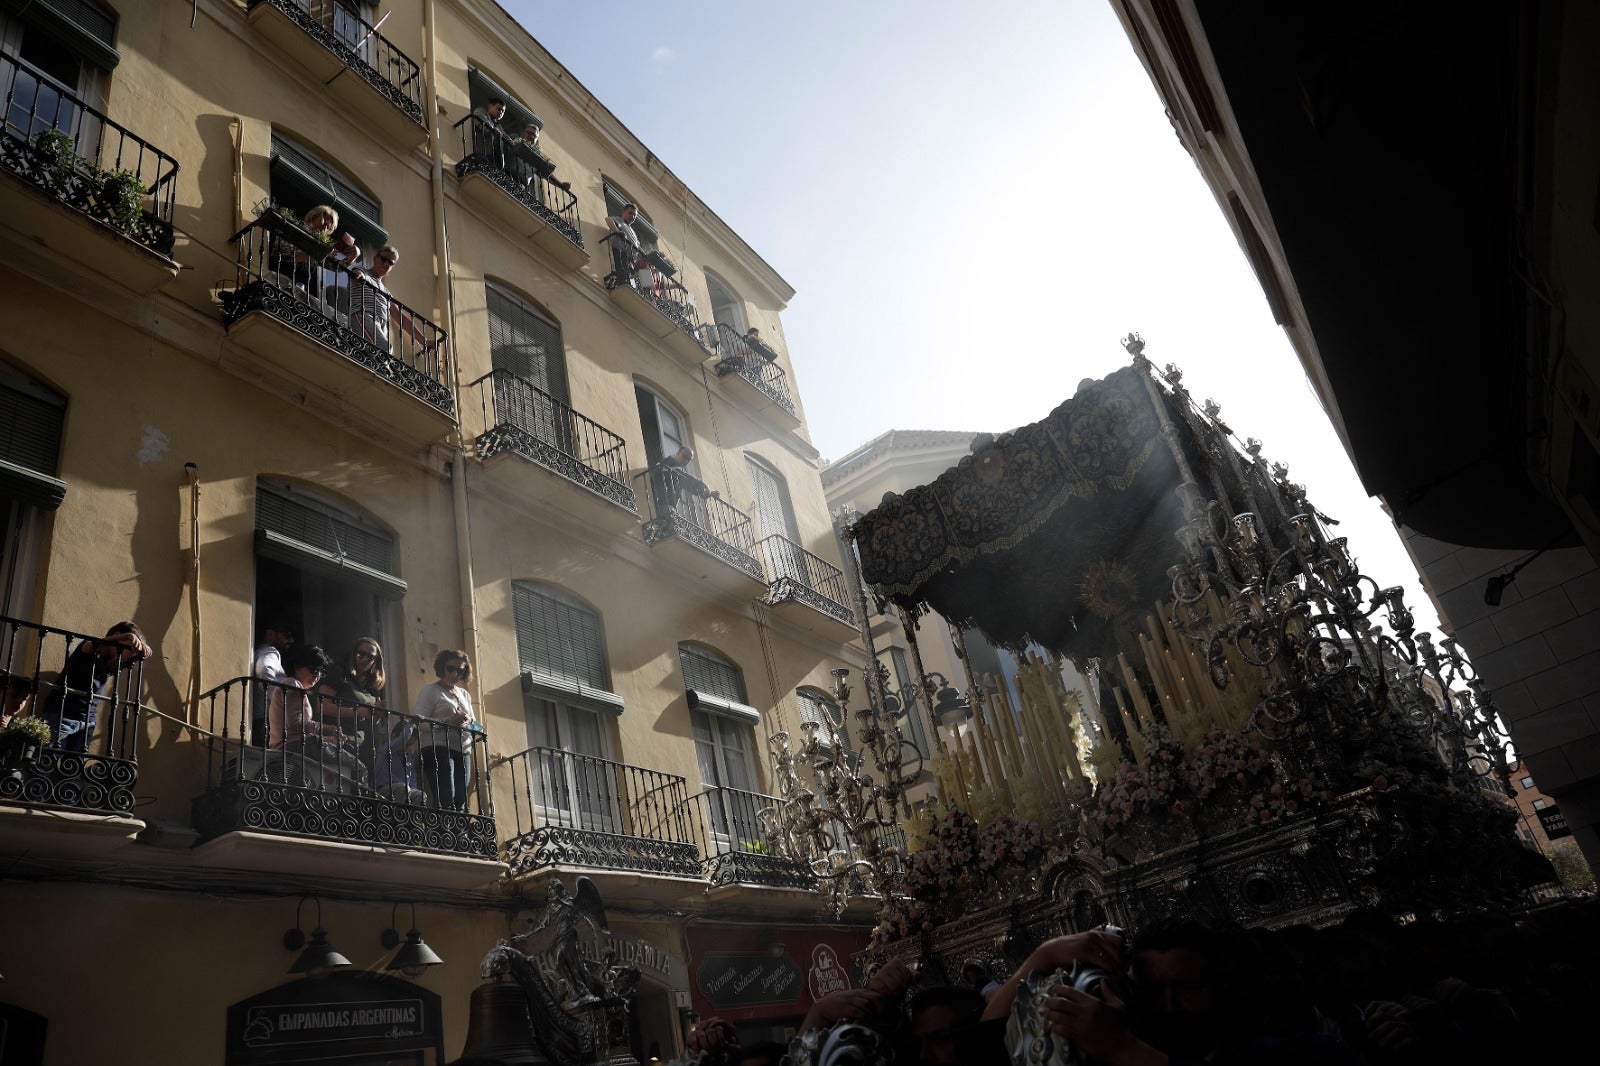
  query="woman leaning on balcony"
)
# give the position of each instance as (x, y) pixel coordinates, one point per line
(447, 752)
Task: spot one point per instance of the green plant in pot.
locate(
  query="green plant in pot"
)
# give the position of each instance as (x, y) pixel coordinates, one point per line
(22, 738)
(57, 148)
(663, 262)
(123, 199)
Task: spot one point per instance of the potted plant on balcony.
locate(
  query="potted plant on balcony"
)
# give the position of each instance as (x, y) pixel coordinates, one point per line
(122, 199)
(662, 262)
(59, 152)
(281, 221)
(21, 740)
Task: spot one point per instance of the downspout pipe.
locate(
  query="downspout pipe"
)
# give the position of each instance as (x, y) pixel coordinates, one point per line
(444, 299)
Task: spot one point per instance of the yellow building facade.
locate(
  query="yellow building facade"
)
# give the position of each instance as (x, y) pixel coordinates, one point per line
(216, 427)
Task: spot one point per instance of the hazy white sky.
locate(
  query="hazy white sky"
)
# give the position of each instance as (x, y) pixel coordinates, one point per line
(973, 203)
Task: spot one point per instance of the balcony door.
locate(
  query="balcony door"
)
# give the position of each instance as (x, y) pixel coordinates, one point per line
(531, 390)
(31, 419)
(57, 72)
(724, 742)
(727, 313)
(561, 649)
(774, 515)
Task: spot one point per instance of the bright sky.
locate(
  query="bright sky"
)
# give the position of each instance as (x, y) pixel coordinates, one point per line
(973, 203)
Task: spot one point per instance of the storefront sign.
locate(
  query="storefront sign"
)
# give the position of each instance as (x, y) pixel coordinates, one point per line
(333, 1016)
(827, 976)
(1554, 823)
(657, 965)
(749, 980)
(747, 973)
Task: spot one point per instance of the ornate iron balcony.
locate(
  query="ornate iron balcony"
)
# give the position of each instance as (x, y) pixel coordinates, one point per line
(794, 574)
(734, 846)
(523, 172)
(756, 364)
(642, 271)
(359, 786)
(79, 687)
(680, 505)
(357, 43)
(580, 810)
(522, 418)
(72, 153)
(281, 270)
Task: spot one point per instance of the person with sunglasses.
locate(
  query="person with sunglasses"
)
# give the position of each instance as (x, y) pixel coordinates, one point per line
(373, 310)
(447, 753)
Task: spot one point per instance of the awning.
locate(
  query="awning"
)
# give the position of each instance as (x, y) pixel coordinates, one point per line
(705, 701)
(566, 690)
(339, 567)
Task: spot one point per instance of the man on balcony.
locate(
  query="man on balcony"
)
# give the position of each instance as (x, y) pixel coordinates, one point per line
(534, 162)
(71, 710)
(488, 137)
(372, 309)
(627, 259)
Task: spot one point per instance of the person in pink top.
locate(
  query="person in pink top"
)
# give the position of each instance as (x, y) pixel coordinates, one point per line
(291, 718)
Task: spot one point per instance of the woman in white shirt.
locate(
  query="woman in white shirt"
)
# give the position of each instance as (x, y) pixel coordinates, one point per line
(447, 753)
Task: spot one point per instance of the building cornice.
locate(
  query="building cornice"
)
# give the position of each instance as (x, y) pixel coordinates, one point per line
(520, 48)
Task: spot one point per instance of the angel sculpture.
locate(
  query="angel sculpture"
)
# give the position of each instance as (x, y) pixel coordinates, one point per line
(575, 1002)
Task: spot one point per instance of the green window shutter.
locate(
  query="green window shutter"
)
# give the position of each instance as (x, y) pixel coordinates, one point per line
(481, 89)
(31, 418)
(88, 30)
(301, 180)
(306, 532)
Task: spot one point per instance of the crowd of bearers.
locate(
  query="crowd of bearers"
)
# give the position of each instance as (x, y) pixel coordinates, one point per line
(1370, 991)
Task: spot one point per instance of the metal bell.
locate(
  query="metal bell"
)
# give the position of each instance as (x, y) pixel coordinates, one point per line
(499, 1028)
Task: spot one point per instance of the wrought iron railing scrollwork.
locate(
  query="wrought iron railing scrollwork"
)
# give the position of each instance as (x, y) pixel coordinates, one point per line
(569, 809)
(734, 847)
(633, 267)
(520, 417)
(282, 270)
(87, 692)
(755, 363)
(366, 52)
(796, 574)
(355, 773)
(678, 504)
(74, 154)
(523, 172)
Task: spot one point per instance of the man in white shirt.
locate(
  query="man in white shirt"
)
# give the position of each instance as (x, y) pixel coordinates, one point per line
(268, 666)
(627, 259)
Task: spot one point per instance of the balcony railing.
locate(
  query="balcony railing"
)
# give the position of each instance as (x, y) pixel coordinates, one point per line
(522, 418)
(678, 504)
(522, 171)
(283, 270)
(73, 153)
(83, 690)
(365, 51)
(579, 810)
(350, 773)
(633, 266)
(728, 824)
(736, 355)
(796, 574)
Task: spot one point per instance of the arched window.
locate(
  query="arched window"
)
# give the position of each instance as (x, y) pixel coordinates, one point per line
(566, 686)
(31, 417)
(726, 307)
(302, 179)
(325, 571)
(525, 344)
(666, 427)
(723, 726)
(616, 198)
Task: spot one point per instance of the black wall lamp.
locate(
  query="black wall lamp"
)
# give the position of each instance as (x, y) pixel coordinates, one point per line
(414, 957)
(319, 958)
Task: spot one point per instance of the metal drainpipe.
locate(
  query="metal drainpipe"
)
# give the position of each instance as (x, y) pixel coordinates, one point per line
(444, 299)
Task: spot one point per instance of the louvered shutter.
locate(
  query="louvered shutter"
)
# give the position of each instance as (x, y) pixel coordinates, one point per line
(306, 532)
(706, 671)
(31, 417)
(559, 637)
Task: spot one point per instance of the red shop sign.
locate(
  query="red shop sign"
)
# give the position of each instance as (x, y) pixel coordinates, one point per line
(751, 973)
